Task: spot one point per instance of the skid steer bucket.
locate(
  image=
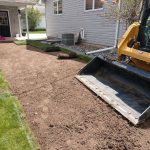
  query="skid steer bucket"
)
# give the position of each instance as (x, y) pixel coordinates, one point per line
(125, 88)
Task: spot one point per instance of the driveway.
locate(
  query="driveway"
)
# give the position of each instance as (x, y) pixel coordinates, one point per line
(62, 113)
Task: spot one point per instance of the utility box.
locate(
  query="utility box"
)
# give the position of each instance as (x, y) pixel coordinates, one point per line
(68, 39)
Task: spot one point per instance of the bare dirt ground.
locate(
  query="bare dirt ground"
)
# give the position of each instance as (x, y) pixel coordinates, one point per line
(62, 113)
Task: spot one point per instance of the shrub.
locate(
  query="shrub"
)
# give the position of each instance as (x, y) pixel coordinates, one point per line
(34, 17)
(129, 13)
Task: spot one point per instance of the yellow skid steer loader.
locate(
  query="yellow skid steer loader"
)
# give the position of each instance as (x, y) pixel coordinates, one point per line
(125, 84)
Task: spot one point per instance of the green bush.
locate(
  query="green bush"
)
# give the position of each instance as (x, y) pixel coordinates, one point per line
(34, 17)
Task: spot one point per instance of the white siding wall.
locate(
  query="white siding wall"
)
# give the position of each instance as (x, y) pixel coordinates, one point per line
(14, 22)
(98, 28)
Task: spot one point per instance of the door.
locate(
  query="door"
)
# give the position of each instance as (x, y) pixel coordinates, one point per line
(4, 24)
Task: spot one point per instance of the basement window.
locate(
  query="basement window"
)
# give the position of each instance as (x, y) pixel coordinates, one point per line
(57, 4)
(94, 4)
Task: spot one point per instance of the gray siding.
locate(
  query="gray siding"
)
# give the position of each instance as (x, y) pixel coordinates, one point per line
(98, 28)
(14, 22)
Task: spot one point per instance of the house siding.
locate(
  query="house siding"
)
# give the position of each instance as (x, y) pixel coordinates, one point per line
(14, 22)
(98, 28)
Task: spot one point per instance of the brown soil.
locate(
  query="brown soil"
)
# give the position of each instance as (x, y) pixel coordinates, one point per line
(62, 113)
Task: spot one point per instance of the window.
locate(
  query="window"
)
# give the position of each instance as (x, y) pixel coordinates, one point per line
(89, 4)
(99, 4)
(4, 19)
(60, 7)
(57, 6)
(94, 4)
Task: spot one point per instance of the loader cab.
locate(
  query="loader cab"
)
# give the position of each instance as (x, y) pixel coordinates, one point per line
(144, 31)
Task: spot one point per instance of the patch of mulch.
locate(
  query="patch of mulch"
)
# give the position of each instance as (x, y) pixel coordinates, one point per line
(81, 47)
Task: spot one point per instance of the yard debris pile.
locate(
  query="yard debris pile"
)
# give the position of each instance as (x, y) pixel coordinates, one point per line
(70, 55)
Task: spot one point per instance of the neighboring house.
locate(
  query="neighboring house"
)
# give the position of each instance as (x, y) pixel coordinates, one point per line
(10, 25)
(41, 8)
(70, 16)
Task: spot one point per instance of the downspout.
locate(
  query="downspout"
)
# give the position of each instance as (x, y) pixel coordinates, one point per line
(116, 36)
(27, 22)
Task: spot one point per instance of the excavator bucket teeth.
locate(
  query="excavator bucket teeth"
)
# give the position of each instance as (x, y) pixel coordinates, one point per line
(125, 88)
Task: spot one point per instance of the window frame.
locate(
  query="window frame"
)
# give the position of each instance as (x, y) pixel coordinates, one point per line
(57, 7)
(93, 5)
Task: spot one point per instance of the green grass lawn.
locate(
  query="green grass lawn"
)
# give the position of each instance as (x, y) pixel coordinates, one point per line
(43, 46)
(37, 32)
(21, 42)
(14, 131)
(34, 43)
